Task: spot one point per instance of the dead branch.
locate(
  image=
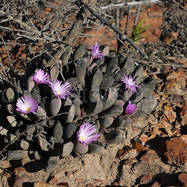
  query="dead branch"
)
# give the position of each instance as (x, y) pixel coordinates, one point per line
(123, 36)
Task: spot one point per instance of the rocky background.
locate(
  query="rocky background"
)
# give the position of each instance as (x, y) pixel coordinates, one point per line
(148, 148)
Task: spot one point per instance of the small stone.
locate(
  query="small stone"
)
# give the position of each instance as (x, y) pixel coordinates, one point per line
(17, 155)
(55, 106)
(52, 163)
(80, 148)
(148, 88)
(12, 137)
(183, 178)
(12, 120)
(94, 148)
(177, 150)
(67, 148)
(58, 131)
(44, 144)
(69, 130)
(10, 95)
(3, 131)
(24, 145)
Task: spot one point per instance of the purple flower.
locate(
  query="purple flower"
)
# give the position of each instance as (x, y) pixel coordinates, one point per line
(130, 108)
(61, 90)
(130, 85)
(87, 133)
(41, 77)
(26, 104)
(96, 53)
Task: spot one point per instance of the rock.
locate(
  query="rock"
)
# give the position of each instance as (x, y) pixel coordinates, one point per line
(145, 169)
(24, 145)
(10, 95)
(12, 137)
(94, 148)
(17, 155)
(177, 150)
(58, 131)
(183, 179)
(44, 144)
(51, 164)
(148, 88)
(3, 131)
(69, 130)
(55, 106)
(67, 149)
(30, 83)
(12, 120)
(80, 148)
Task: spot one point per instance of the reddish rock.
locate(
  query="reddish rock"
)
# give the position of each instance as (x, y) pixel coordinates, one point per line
(183, 178)
(177, 150)
(156, 184)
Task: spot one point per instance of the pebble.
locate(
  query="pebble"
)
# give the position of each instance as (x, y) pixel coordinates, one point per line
(3, 131)
(44, 144)
(10, 95)
(17, 155)
(12, 120)
(24, 145)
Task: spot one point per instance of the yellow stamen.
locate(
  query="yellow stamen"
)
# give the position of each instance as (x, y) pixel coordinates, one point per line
(28, 109)
(82, 138)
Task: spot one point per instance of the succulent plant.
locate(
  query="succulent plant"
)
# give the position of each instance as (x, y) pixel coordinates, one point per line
(51, 113)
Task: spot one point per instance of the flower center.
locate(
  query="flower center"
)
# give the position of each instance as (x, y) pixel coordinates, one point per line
(82, 138)
(28, 109)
